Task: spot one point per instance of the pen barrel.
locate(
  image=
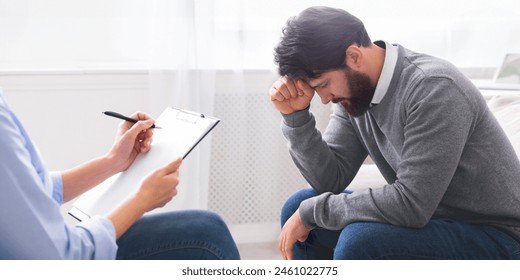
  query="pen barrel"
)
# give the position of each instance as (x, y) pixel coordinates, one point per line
(123, 117)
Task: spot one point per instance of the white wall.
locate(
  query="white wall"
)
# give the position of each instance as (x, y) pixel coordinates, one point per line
(62, 110)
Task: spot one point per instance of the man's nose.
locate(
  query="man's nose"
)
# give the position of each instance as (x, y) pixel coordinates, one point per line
(325, 96)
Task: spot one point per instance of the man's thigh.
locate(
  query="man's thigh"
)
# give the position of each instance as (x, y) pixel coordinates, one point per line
(439, 239)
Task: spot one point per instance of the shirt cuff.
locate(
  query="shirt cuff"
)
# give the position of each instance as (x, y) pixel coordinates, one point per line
(103, 236)
(57, 186)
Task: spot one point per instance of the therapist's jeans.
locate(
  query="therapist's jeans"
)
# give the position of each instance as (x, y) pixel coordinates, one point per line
(439, 239)
(178, 235)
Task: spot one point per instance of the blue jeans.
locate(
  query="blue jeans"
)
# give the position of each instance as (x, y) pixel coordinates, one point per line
(178, 235)
(439, 239)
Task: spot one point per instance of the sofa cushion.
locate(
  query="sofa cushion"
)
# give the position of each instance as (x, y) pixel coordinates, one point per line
(506, 109)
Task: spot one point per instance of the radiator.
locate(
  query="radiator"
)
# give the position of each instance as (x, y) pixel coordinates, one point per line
(251, 171)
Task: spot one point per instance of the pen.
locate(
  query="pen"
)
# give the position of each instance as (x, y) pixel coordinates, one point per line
(119, 116)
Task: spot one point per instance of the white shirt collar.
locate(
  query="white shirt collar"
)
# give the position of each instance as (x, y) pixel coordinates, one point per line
(386, 74)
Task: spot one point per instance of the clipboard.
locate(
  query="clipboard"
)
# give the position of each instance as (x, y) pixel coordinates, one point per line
(181, 132)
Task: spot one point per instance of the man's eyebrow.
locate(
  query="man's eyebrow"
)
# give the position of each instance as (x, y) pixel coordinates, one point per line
(317, 84)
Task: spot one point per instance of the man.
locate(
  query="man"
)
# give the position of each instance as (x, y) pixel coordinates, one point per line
(32, 227)
(453, 177)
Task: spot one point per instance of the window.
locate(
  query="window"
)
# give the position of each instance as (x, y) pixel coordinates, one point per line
(116, 34)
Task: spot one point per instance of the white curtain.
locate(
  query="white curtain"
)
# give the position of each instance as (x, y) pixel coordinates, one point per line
(182, 75)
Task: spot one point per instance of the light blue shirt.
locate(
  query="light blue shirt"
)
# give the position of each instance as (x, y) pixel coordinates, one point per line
(31, 224)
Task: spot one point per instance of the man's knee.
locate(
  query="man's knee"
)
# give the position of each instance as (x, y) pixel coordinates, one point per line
(360, 240)
(293, 202)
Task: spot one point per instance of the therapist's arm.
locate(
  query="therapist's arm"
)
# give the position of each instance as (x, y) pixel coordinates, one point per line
(32, 226)
(132, 139)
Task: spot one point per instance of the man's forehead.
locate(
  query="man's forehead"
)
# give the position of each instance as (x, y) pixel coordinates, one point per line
(315, 82)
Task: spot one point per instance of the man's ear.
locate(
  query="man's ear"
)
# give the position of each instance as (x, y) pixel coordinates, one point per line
(354, 57)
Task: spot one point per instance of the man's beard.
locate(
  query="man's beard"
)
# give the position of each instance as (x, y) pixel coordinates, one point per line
(361, 93)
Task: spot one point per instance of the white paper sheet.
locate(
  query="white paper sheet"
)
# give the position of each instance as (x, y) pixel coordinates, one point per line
(180, 132)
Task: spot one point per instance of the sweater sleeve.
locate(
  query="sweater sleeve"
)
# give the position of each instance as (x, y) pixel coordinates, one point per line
(438, 120)
(328, 163)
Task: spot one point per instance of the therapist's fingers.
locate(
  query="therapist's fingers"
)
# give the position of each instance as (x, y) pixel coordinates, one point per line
(145, 140)
(138, 133)
(141, 116)
(172, 167)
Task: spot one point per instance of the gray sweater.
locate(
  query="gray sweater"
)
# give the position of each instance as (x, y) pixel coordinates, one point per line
(440, 149)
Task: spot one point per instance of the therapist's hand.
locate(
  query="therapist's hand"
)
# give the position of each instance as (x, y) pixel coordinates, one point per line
(289, 96)
(293, 230)
(160, 186)
(156, 190)
(132, 139)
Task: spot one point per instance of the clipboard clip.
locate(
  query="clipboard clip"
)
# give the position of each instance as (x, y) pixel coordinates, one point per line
(188, 116)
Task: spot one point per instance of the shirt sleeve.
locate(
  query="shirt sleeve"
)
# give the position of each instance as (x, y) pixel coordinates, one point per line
(57, 186)
(92, 239)
(32, 226)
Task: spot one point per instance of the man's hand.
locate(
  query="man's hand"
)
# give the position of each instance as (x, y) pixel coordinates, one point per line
(293, 230)
(289, 96)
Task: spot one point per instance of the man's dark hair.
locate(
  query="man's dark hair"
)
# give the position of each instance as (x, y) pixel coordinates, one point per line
(316, 41)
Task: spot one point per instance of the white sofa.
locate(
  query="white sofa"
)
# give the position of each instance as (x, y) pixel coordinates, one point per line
(506, 108)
